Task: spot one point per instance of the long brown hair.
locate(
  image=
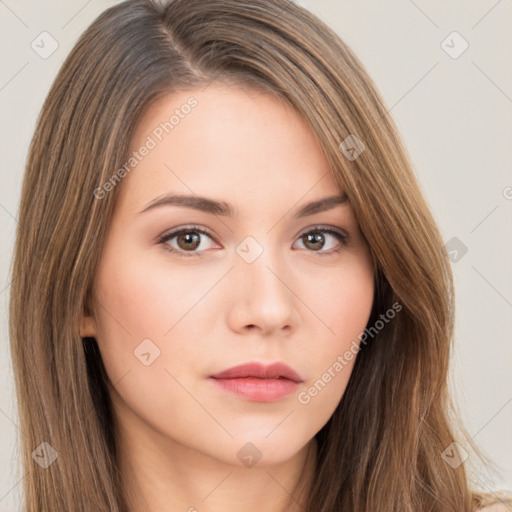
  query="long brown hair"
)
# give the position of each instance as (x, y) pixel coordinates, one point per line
(382, 448)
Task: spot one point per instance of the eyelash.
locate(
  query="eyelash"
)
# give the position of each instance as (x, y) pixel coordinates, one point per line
(187, 254)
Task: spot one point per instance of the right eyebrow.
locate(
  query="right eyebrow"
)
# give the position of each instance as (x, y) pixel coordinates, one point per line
(204, 204)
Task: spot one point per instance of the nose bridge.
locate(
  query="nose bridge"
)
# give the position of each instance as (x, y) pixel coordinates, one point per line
(259, 260)
(261, 280)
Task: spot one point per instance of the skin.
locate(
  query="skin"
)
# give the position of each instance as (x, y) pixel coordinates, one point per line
(299, 302)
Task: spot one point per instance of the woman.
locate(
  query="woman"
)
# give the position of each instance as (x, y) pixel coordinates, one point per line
(228, 291)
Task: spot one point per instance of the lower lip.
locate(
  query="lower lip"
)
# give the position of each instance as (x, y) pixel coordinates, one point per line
(258, 390)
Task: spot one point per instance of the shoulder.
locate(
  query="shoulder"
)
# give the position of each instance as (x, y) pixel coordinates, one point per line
(495, 501)
(496, 507)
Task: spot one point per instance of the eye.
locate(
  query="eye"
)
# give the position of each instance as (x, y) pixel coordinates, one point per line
(188, 240)
(316, 239)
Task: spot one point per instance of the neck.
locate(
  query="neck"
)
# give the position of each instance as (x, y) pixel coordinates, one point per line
(162, 475)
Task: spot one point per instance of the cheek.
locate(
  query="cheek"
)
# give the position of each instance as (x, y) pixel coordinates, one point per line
(349, 303)
(130, 309)
(341, 299)
(147, 314)
(344, 308)
(141, 297)
(141, 316)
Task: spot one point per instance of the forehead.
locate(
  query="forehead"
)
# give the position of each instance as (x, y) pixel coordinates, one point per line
(241, 145)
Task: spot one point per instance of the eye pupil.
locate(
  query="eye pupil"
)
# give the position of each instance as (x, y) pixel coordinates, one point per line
(316, 239)
(189, 238)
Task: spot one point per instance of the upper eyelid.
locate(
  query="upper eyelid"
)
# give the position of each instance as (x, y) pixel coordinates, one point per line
(168, 235)
(174, 232)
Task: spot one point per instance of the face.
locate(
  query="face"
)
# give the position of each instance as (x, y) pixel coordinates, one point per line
(185, 290)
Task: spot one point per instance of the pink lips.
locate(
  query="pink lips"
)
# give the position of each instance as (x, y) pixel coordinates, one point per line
(258, 382)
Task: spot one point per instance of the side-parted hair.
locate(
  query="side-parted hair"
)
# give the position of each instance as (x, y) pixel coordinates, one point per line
(382, 448)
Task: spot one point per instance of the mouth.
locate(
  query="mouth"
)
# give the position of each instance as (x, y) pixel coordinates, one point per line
(258, 382)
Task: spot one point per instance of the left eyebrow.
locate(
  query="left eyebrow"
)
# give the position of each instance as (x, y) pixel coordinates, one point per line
(214, 207)
(322, 205)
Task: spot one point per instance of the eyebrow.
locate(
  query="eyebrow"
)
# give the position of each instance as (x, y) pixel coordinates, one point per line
(222, 208)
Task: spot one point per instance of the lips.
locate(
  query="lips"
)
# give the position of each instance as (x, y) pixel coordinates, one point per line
(257, 382)
(260, 371)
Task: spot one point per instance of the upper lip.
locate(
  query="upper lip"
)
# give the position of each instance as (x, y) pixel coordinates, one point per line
(259, 370)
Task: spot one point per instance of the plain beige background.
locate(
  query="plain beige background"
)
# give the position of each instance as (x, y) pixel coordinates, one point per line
(453, 107)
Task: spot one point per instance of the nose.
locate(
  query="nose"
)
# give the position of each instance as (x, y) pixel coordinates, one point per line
(263, 298)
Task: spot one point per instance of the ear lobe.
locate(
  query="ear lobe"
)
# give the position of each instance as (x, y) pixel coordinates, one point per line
(88, 327)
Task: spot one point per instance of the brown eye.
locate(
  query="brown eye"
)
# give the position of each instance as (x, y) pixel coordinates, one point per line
(317, 239)
(186, 241)
(313, 241)
(189, 240)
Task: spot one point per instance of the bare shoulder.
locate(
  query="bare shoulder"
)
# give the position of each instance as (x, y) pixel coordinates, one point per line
(496, 507)
(499, 500)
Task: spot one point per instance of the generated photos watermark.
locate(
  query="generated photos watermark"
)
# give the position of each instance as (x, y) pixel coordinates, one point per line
(304, 397)
(151, 142)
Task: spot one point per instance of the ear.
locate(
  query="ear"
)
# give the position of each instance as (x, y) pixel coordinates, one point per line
(87, 324)
(88, 327)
